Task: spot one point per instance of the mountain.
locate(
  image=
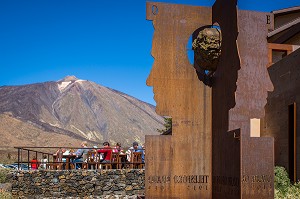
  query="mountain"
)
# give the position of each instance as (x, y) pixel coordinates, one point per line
(68, 111)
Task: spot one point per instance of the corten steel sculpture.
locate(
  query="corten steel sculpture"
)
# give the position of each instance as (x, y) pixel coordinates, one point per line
(180, 163)
(242, 167)
(210, 153)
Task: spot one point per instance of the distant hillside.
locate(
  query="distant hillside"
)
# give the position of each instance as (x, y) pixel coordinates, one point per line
(71, 110)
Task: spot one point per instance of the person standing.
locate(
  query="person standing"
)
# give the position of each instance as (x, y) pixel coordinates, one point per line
(34, 163)
(44, 162)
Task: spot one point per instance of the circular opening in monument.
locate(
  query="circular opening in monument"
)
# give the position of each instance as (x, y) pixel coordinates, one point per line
(204, 49)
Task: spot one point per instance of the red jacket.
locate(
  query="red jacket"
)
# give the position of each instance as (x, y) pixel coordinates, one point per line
(34, 164)
(107, 153)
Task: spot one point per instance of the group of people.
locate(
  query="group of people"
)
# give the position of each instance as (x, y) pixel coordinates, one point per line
(35, 164)
(80, 154)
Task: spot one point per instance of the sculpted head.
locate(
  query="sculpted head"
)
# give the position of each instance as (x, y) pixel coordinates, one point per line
(175, 83)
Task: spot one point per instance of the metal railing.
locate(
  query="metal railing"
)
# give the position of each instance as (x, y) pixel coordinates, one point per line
(26, 154)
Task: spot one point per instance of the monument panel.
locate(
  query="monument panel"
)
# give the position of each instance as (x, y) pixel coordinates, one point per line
(186, 171)
(210, 153)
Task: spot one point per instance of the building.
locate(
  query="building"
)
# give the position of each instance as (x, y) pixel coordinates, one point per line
(282, 119)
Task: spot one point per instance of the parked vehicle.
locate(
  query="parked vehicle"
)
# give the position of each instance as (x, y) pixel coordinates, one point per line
(9, 166)
(15, 166)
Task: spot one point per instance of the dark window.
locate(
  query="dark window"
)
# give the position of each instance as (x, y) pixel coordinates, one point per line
(292, 141)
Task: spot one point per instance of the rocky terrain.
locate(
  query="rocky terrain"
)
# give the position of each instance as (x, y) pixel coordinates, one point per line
(71, 110)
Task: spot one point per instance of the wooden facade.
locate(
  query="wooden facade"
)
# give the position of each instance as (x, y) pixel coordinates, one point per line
(286, 26)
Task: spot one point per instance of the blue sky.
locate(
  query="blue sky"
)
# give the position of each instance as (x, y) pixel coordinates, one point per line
(108, 42)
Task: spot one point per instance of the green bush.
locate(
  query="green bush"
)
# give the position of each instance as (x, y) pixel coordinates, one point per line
(281, 180)
(284, 189)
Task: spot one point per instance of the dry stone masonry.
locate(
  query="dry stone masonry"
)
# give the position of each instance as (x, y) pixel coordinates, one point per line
(78, 183)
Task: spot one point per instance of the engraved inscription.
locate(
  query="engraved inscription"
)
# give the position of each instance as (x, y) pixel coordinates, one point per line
(193, 182)
(159, 179)
(257, 183)
(226, 184)
(257, 179)
(225, 180)
(191, 179)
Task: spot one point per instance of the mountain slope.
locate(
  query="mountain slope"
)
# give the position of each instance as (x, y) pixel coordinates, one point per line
(80, 110)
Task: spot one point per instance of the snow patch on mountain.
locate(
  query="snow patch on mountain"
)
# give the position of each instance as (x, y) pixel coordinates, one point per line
(63, 85)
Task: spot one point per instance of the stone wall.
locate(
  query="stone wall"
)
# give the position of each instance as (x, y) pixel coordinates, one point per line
(78, 183)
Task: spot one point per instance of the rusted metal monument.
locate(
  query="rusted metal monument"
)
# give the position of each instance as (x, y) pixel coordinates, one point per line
(210, 153)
